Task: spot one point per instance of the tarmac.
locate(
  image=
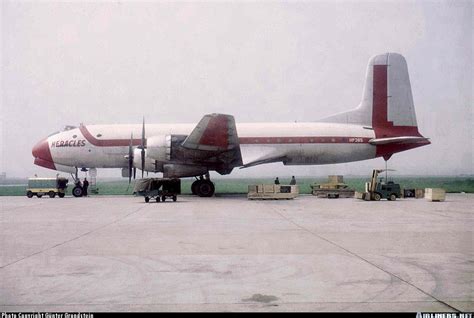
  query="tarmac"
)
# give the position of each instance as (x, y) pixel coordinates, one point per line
(117, 253)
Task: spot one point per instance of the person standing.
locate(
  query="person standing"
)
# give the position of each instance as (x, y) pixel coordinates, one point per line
(293, 180)
(85, 185)
(277, 181)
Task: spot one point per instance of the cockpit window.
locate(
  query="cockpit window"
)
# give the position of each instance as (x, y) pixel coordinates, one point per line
(54, 133)
(68, 127)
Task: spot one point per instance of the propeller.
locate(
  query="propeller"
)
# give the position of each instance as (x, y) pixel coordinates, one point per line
(142, 155)
(130, 160)
(142, 146)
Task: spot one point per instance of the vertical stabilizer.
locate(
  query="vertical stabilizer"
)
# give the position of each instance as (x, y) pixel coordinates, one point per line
(386, 107)
(387, 100)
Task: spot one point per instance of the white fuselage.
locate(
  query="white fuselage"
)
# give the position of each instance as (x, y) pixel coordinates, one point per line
(106, 146)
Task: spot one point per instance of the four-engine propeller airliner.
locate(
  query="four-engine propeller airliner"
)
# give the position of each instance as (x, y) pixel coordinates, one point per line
(384, 123)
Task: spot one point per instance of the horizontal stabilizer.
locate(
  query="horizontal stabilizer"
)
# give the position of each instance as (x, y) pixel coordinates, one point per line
(398, 140)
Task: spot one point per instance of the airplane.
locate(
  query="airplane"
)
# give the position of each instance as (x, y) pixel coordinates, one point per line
(384, 123)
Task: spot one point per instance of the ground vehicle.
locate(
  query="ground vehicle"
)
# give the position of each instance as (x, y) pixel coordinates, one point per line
(376, 190)
(158, 188)
(49, 186)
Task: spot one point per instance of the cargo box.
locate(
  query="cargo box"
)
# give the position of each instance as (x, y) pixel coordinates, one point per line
(272, 192)
(419, 193)
(335, 179)
(435, 194)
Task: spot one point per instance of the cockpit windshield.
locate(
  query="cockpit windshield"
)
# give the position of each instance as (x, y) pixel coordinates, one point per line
(54, 133)
(68, 127)
(65, 128)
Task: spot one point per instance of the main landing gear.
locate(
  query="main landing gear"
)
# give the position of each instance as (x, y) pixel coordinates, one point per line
(203, 187)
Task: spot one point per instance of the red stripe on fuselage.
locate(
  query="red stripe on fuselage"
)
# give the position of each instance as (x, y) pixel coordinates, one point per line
(242, 140)
(303, 140)
(107, 142)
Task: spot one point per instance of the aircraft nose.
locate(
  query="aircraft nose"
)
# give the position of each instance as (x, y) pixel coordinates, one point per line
(42, 155)
(41, 150)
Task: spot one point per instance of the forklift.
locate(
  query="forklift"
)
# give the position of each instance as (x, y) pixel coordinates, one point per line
(376, 190)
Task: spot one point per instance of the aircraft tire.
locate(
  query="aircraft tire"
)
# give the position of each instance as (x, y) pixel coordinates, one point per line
(77, 192)
(205, 189)
(194, 185)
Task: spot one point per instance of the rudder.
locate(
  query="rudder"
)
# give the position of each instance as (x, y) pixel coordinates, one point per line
(387, 101)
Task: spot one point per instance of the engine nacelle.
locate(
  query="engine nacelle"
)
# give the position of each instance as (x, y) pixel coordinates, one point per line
(150, 164)
(159, 148)
(181, 171)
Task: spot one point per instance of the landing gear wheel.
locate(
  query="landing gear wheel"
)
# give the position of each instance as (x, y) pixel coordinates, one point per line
(194, 186)
(61, 195)
(51, 194)
(393, 197)
(377, 197)
(29, 194)
(147, 199)
(205, 188)
(77, 192)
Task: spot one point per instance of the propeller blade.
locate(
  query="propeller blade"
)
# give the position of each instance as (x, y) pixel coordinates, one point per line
(130, 159)
(143, 146)
(143, 161)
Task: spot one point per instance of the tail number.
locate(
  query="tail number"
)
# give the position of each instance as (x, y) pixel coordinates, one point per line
(356, 139)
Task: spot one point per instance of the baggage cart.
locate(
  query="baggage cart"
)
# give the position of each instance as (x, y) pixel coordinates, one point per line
(158, 188)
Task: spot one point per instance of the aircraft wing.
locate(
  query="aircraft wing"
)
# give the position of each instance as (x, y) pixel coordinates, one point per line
(215, 132)
(215, 136)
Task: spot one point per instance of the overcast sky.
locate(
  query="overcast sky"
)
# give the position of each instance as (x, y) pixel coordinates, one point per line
(112, 62)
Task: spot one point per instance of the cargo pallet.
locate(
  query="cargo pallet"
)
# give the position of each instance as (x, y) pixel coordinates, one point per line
(272, 192)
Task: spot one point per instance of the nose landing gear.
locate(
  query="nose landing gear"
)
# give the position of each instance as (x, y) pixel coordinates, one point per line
(203, 187)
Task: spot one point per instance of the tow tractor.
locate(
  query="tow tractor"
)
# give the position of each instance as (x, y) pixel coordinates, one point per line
(376, 190)
(49, 186)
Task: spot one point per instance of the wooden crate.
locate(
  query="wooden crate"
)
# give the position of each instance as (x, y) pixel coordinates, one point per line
(435, 194)
(335, 179)
(419, 193)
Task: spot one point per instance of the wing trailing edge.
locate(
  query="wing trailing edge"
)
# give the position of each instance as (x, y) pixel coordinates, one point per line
(264, 160)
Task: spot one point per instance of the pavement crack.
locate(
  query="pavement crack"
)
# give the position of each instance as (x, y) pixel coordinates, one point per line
(363, 259)
(74, 238)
